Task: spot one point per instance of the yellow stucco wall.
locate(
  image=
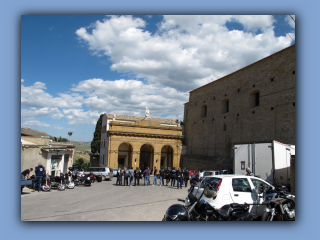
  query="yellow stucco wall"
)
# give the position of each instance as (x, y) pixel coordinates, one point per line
(143, 132)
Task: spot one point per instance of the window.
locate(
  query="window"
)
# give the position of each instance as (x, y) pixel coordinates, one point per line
(225, 105)
(242, 165)
(254, 98)
(103, 159)
(204, 110)
(256, 182)
(241, 185)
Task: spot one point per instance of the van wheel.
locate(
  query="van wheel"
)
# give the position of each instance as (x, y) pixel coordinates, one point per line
(103, 178)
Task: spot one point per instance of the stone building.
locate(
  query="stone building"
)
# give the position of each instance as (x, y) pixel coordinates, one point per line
(253, 104)
(55, 157)
(134, 141)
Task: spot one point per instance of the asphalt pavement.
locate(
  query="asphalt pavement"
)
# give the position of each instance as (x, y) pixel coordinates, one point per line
(103, 201)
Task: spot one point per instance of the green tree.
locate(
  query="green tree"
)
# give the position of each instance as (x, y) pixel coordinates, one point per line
(95, 143)
(81, 162)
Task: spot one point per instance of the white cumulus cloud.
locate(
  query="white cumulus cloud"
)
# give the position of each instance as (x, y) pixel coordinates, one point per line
(187, 51)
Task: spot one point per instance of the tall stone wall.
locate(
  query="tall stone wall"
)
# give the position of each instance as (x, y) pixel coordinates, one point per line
(253, 104)
(194, 162)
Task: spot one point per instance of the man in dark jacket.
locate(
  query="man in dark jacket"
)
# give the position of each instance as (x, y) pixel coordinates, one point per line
(186, 176)
(173, 176)
(161, 173)
(39, 174)
(26, 173)
(167, 175)
(137, 176)
(179, 175)
(125, 176)
(119, 177)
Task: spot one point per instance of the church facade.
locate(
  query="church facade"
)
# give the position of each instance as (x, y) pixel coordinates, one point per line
(135, 141)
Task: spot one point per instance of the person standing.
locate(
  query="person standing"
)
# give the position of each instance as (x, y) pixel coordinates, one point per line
(26, 173)
(173, 176)
(131, 174)
(161, 173)
(201, 173)
(125, 176)
(146, 174)
(155, 176)
(137, 176)
(186, 176)
(167, 175)
(179, 175)
(39, 174)
(119, 177)
(249, 173)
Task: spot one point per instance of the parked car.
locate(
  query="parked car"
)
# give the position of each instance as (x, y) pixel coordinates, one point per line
(233, 189)
(209, 173)
(192, 173)
(76, 167)
(105, 172)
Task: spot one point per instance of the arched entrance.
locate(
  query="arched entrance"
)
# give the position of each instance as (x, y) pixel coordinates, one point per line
(166, 156)
(124, 155)
(146, 156)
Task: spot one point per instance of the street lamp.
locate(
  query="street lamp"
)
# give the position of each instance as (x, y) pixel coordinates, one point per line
(70, 134)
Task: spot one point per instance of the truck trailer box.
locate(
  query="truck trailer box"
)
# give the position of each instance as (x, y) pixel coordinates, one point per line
(269, 161)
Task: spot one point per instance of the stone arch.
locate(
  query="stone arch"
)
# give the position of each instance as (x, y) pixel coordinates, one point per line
(166, 156)
(146, 156)
(125, 155)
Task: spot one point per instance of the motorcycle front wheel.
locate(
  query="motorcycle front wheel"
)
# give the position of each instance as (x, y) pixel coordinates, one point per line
(267, 217)
(46, 188)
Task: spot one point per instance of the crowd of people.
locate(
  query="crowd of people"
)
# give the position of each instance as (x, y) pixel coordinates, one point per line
(126, 176)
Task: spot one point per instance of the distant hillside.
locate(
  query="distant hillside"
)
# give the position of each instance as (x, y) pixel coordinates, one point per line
(33, 132)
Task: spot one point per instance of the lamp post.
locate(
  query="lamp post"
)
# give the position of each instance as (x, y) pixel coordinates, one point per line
(70, 134)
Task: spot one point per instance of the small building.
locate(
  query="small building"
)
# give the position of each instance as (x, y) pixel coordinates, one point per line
(55, 157)
(135, 141)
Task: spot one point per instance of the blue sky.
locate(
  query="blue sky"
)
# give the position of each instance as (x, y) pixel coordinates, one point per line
(75, 67)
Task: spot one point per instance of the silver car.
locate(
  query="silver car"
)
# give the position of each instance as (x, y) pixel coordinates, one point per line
(105, 172)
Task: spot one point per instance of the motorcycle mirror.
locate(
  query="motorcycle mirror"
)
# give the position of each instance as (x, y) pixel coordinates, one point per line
(259, 188)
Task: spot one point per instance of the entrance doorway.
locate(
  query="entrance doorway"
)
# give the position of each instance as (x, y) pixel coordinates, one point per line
(166, 156)
(125, 155)
(121, 163)
(146, 156)
(55, 165)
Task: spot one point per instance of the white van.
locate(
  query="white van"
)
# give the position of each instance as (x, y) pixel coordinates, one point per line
(105, 172)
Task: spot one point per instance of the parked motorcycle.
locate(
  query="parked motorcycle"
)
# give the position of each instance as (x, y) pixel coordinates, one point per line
(198, 209)
(82, 180)
(45, 184)
(58, 182)
(280, 204)
(68, 181)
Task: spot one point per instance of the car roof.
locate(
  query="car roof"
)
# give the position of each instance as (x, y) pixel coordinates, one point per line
(231, 175)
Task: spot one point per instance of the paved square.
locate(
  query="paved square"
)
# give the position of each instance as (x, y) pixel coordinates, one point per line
(103, 201)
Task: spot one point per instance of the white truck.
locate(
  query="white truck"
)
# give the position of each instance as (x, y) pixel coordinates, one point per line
(269, 161)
